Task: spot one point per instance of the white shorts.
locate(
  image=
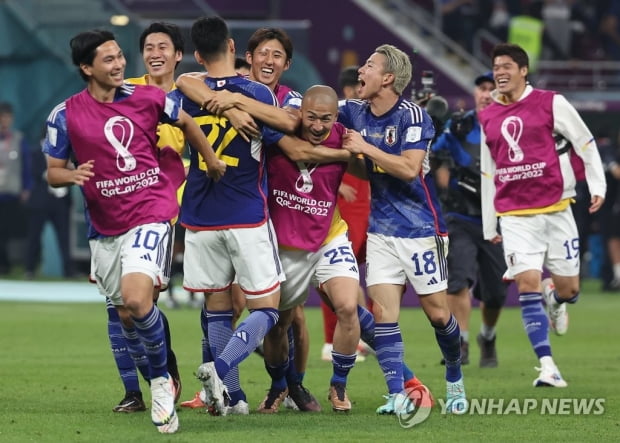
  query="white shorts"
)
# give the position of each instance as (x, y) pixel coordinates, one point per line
(248, 256)
(146, 249)
(533, 241)
(335, 259)
(394, 260)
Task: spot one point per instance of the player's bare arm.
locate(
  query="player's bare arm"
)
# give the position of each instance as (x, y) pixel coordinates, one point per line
(60, 174)
(301, 150)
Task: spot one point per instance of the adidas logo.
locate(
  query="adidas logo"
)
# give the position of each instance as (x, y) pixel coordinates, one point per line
(146, 257)
(353, 269)
(432, 281)
(241, 335)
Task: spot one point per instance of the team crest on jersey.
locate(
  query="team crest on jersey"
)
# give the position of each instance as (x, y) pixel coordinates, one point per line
(390, 135)
(220, 83)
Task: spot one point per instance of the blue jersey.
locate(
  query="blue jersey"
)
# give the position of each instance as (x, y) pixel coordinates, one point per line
(397, 208)
(239, 199)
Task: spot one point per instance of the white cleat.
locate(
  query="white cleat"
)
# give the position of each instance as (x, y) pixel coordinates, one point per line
(550, 376)
(241, 408)
(163, 413)
(216, 394)
(558, 316)
(456, 400)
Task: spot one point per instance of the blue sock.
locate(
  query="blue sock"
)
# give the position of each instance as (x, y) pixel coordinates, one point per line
(535, 322)
(390, 352)
(245, 339)
(571, 300)
(150, 329)
(220, 331)
(136, 350)
(342, 364)
(206, 347)
(125, 365)
(292, 376)
(449, 340)
(278, 375)
(171, 358)
(407, 372)
(367, 326)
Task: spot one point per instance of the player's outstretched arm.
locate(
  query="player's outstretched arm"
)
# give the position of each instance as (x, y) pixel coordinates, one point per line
(59, 174)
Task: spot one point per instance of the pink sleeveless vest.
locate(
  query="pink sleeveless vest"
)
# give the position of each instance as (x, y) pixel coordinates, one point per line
(519, 136)
(129, 188)
(302, 201)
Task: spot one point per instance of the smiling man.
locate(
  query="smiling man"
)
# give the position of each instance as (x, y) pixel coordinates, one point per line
(529, 182)
(109, 128)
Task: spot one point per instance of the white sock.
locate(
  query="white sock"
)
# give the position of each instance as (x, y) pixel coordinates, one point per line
(547, 362)
(617, 271)
(465, 336)
(487, 332)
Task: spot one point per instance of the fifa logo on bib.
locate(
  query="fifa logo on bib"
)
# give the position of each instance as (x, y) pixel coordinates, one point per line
(512, 129)
(118, 131)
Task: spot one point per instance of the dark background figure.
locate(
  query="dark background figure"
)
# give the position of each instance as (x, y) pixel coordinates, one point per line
(46, 204)
(14, 183)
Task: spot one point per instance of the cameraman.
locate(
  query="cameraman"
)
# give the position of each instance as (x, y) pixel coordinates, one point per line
(473, 263)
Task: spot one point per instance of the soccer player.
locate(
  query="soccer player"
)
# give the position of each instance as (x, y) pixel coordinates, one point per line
(161, 46)
(458, 179)
(313, 247)
(228, 233)
(407, 237)
(529, 184)
(129, 187)
(354, 206)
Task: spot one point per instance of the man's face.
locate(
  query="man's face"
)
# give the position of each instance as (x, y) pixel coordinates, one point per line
(509, 78)
(108, 67)
(268, 62)
(372, 76)
(317, 118)
(159, 56)
(482, 95)
(6, 121)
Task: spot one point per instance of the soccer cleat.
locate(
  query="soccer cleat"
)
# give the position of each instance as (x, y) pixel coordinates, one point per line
(558, 316)
(549, 376)
(288, 403)
(216, 394)
(456, 401)
(241, 408)
(163, 414)
(338, 398)
(305, 401)
(464, 353)
(271, 403)
(419, 394)
(132, 402)
(326, 352)
(195, 403)
(397, 404)
(488, 355)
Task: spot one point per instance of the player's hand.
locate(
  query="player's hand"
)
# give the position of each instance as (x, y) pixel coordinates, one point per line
(83, 173)
(349, 193)
(595, 203)
(216, 171)
(497, 239)
(353, 141)
(243, 123)
(220, 102)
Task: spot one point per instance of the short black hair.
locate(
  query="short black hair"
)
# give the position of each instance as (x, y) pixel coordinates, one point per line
(241, 62)
(264, 34)
(165, 28)
(348, 76)
(515, 52)
(6, 108)
(84, 46)
(210, 36)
